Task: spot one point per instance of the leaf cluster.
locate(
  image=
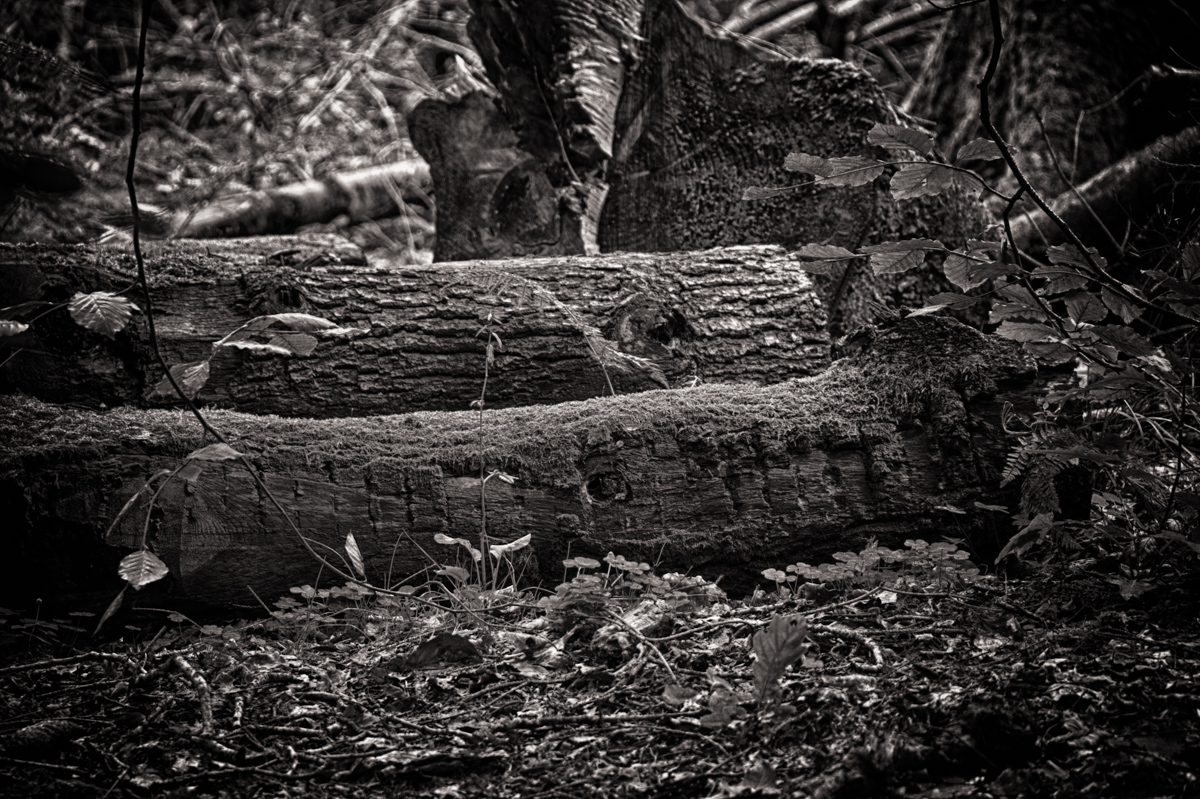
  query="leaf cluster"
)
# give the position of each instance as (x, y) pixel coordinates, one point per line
(1130, 418)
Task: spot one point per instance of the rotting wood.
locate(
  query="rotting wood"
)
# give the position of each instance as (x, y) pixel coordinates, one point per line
(719, 479)
(743, 313)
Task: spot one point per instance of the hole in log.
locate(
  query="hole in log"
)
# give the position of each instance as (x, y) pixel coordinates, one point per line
(608, 487)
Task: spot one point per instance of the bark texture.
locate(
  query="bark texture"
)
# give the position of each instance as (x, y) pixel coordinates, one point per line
(653, 321)
(720, 480)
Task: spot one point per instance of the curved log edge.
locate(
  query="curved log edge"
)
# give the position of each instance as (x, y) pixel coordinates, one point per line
(719, 479)
(745, 313)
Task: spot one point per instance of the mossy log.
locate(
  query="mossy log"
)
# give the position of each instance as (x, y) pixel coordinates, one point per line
(719, 479)
(653, 321)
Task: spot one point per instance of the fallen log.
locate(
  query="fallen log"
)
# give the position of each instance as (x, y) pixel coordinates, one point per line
(368, 193)
(570, 328)
(722, 480)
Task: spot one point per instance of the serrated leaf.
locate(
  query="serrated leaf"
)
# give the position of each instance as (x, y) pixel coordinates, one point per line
(1016, 310)
(895, 262)
(1060, 279)
(112, 608)
(919, 180)
(129, 502)
(1017, 302)
(1026, 331)
(967, 182)
(851, 171)
(945, 299)
(1126, 340)
(355, 556)
(1119, 305)
(280, 334)
(899, 137)
(1049, 353)
(1084, 306)
(899, 256)
(825, 257)
(978, 150)
(825, 251)
(101, 312)
(1069, 254)
(904, 245)
(970, 269)
(141, 568)
(10, 328)
(775, 649)
(812, 164)
(190, 472)
(255, 346)
(215, 453)
(191, 377)
(294, 343)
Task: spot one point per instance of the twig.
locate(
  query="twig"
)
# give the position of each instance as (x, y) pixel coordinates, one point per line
(854, 635)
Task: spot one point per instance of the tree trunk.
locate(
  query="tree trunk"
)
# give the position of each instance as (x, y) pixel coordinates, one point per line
(719, 480)
(569, 327)
(642, 136)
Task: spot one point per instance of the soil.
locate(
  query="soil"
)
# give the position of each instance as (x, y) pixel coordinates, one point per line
(922, 686)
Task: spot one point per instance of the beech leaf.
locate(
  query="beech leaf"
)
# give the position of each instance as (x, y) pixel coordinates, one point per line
(1119, 305)
(900, 256)
(852, 171)
(978, 150)
(919, 180)
(1084, 306)
(191, 377)
(215, 453)
(775, 649)
(762, 192)
(898, 137)
(1026, 331)
(355, 556)
(101, 312)
(141, 568)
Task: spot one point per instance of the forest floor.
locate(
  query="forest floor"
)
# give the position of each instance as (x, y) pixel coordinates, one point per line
(919, 686)
(922, 685)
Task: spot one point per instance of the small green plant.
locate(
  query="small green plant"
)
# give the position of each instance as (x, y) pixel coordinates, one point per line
(919, 564)
(587, 594)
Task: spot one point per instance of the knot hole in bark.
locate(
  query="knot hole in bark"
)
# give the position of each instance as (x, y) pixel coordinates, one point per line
(608, 487)
(641, 321)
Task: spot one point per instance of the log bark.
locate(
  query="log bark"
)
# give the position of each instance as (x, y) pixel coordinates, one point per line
(568, 326)
(719, 480)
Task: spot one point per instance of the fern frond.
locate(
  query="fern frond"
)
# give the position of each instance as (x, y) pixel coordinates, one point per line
(1014, 466)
